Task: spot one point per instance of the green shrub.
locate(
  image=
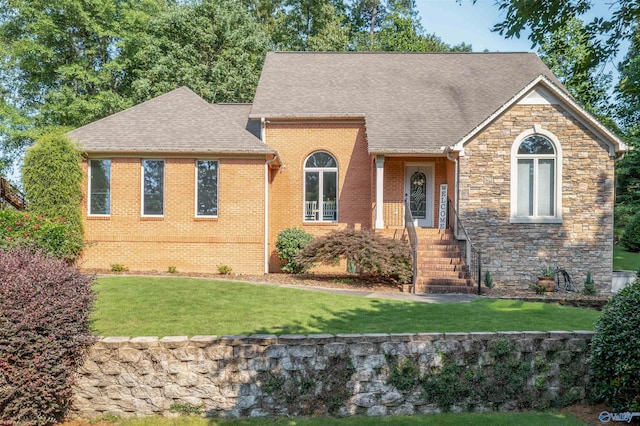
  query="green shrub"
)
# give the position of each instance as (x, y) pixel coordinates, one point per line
(370, 252)
(172, 270)
(44, 334)
(52, 178)
(290, 242)
(224, 269)
(56, 237)
(118, 267)
(488, 280)
(615, 354)
(589, 285)
(631, 235)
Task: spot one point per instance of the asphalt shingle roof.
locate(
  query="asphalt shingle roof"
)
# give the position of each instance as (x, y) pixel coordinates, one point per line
(412, 103)
(177, 122)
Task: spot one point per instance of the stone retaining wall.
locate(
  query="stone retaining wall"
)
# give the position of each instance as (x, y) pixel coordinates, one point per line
(368, 374)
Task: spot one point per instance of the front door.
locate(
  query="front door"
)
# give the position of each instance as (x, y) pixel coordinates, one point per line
(418, 188)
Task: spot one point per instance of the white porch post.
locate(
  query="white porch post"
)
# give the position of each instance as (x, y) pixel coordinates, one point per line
(379, 191)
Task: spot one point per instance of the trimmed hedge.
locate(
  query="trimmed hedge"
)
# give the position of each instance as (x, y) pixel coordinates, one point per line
(44, 334)
(56, 237)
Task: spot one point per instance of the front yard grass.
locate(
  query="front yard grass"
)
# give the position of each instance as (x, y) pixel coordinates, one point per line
(173, 306)
(624, 260)
(530, 419)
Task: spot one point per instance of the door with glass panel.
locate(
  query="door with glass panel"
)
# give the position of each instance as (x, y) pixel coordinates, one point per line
(419, 190)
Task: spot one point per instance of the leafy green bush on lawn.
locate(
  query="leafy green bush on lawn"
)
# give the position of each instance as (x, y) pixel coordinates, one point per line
(616, 351)
(55, 237)
(290, 242)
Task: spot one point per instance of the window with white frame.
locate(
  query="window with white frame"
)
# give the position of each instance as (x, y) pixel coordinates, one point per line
(320, 188)
(536, 178)
(152, 187)
(206, 188)
(99, 187)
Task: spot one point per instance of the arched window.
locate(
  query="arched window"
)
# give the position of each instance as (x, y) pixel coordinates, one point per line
(536, 178)
(321, 188)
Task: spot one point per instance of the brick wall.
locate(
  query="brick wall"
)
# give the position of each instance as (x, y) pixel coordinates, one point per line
(514, 253)
(234, 238)
(295, 141)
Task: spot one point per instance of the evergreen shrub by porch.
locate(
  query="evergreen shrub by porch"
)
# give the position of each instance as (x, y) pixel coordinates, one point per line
(290, 242)
(615, 351)
(370, 252)
(56, 237)
(631, 234)
(44, 334)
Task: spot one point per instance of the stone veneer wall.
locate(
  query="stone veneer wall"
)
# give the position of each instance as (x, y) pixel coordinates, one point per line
(239, 375)
(515, 253)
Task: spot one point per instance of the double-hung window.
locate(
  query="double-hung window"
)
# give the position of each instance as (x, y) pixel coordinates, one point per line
(320, 188)
(99, 187)
(536, 180)
(207, 188)
(152, 187)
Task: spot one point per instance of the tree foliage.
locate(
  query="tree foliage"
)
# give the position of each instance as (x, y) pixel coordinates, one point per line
(213, 47)
(52, 176)
(370, 252)
(290, 241)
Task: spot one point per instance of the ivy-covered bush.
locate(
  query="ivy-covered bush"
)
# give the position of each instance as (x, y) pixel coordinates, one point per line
(56, 237)
(631, 235)
(52, 178)
(290, 242)
(615, 351)
(371, 252)
(44, 334)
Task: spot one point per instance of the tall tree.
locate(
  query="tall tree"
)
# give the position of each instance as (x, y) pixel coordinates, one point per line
(212, 46)
(58, 63)
(545, 17)
(568, 52)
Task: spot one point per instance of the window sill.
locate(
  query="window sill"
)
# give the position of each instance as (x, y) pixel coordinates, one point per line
(205, 218)
(549, 220)
(152, 218)
(98, 217)
(318, 223)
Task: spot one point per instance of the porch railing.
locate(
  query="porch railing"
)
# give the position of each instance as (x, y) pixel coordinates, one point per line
(413, 241)
(9, 194)
(469, 251)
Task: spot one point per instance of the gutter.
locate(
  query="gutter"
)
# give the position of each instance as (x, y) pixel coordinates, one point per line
(267, 163)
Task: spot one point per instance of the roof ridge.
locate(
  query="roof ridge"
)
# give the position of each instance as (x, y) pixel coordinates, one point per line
(353, 53)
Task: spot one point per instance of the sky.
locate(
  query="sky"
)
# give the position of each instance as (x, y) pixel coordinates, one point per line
(457, 22)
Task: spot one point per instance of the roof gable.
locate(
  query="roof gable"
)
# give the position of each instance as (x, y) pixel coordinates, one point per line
(177, 122)
(550, 93)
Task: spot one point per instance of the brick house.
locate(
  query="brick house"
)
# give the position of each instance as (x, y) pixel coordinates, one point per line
(486, 150)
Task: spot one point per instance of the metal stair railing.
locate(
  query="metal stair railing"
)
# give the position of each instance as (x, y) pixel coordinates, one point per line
(471, 254)
(413, 240)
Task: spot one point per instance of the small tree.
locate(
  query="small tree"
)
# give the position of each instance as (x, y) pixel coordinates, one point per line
(371, 252)
(44, 334)
(52, 176)
(290, 242)
(631, 234)
(615, 358)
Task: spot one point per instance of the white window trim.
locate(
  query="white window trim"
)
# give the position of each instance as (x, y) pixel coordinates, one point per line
(196, 190)
(89, 188)
(557, 218)
(164, 170)
(306, 169)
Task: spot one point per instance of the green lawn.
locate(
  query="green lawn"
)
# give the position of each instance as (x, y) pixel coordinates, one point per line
(490, 419)
(152, 306)
(624, 260)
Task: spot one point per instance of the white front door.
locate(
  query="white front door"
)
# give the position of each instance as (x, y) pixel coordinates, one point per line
(418, 187)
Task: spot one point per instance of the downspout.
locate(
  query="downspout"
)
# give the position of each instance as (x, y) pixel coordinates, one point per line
(263, 135)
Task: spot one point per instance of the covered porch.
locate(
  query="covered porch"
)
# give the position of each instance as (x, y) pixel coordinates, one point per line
(415, 199)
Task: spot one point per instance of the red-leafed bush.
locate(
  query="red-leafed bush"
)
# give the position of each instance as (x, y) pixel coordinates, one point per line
(44, 334)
